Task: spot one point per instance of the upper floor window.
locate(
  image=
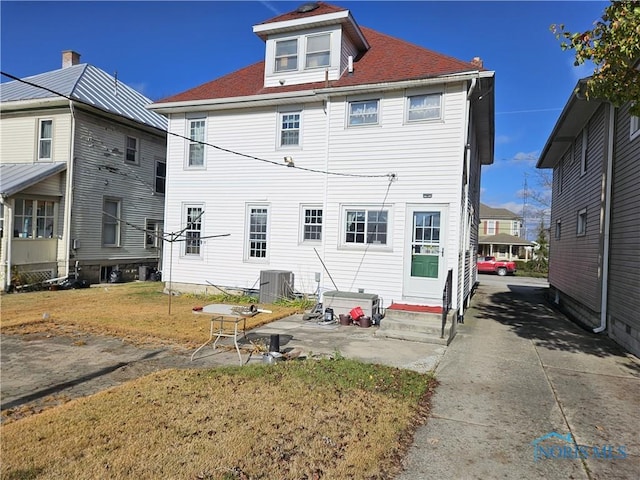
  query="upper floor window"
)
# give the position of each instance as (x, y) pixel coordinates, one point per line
(558, 229)
(582, 222)
(196, 143)
(366, 227)
(424, 107)
(286, 55)
(131, 151)
(491, 227)
(363, 112)
(161, 177)
(318, 51)
(45, 139)
(111, 222)
(635, 127)
(193, 230)
(34, 218)
(515, 228)
(583, 153)
(312, 224)
(289, 129)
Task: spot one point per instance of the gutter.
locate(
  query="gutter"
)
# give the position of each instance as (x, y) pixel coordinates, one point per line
(69, 192)
(607, 224)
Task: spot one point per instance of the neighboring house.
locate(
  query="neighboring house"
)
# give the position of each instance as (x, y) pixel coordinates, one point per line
(594, 253)
(501, 235)
(81, 176)
(359, 164)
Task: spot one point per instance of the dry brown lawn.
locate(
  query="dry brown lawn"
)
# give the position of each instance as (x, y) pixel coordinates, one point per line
(137, 312)
(298, 419)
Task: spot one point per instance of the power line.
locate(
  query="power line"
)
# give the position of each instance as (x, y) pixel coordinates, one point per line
(217, 147)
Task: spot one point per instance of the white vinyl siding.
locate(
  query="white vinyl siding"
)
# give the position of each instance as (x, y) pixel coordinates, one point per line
(45, 139)
(111, 222)
(193, 230)
(363, 112)
(20, 136)
(424, 107)
(196, 134)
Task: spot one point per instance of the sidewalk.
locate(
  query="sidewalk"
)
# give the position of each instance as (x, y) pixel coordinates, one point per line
(516, 371)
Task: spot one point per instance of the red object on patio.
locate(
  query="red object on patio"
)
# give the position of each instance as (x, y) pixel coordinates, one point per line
(356, 313)
(415, 308)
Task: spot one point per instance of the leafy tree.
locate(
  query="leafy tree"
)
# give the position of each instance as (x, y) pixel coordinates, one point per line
(613, 45)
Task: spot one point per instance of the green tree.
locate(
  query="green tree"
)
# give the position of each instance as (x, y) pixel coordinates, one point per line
(613, 45)
(540, 261)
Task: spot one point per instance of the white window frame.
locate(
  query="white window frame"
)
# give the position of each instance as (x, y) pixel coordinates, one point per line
(282, 130)
(317, 52)
(159, 178)
(409, 110)
(491, 227)
(154, 230)
(34, 223)
(109, 220)
(277, 57)
(134, 149)
(42, 140)
(558, 232)
(257, 241)
(193, 221)
(583, 153)
(364, 114)
(515, 228)
(195, 142)
(581, 226)
(634, 127)
(311, 223)
(350, 239)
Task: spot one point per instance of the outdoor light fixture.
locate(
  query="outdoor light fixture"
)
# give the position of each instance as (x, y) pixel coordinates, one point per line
(289, 161)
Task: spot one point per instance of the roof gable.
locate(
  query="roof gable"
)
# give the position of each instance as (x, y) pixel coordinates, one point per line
(490, 213)
(388, 59)
(87, 84)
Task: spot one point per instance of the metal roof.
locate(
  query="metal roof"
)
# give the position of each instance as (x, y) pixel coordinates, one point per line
(88, 84)
(15, 177)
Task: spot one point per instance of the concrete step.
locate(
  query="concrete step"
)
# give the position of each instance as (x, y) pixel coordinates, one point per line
(417, 327)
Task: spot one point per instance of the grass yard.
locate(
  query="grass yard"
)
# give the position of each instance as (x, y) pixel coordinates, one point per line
(307, 419)
(137, 312)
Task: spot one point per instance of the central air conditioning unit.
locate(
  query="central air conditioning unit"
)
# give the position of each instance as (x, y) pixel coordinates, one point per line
(275, 285)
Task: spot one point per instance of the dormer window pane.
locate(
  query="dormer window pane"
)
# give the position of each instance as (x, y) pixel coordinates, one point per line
(318, 51)
(286, 55)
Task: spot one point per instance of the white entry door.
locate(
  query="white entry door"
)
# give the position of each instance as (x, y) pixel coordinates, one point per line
(424, 266)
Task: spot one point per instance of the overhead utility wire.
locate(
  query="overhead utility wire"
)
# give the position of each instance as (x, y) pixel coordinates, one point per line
(245, 155)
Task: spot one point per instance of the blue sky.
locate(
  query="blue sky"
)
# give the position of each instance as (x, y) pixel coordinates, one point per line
(162, 48)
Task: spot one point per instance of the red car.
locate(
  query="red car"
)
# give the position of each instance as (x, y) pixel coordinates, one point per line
(491, 265)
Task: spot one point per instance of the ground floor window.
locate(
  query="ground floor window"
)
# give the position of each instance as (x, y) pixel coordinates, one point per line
(193, 230)
(34, 218)
(312, 224)
(364, 226)
(111, 222)
(257, 232)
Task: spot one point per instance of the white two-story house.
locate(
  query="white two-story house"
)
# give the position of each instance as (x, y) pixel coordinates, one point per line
(82, 177)
(347, 157)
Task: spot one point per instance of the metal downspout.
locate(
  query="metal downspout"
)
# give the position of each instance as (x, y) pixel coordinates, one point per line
(69, 193)
(607, 223)
(465, 199)
(8, 239)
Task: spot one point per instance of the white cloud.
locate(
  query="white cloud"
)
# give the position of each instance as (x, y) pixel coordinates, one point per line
(525, 157)
(502, 139)
(273, 9)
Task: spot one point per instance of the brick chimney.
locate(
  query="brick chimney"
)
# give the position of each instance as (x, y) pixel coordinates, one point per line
(70, 58)
(477, 61)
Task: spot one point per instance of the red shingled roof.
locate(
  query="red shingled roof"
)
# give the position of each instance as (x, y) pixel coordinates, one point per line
(323, 8)
(388, 60)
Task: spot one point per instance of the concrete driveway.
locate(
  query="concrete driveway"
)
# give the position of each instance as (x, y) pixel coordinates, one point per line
(516, 373)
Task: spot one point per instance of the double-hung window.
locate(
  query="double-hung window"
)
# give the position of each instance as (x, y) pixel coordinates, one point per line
(363, 112)
(257, 238)
(196, 142)
(286, 55)
(193, 230)
(131, 150)
(515, 228)
(634, 127)
(366, 227)
(318, 51)
(424, 107)
(161, 177)
(491, 227)
(582, 222)
(312, 224)
(289, 129)
(153, 234)
(111, 222)
(45, 139)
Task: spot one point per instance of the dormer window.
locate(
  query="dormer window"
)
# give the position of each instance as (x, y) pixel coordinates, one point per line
(286, 55)
(318, 51)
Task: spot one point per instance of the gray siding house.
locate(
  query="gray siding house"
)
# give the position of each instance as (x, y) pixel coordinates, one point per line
(82, 176)
(594, 260)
